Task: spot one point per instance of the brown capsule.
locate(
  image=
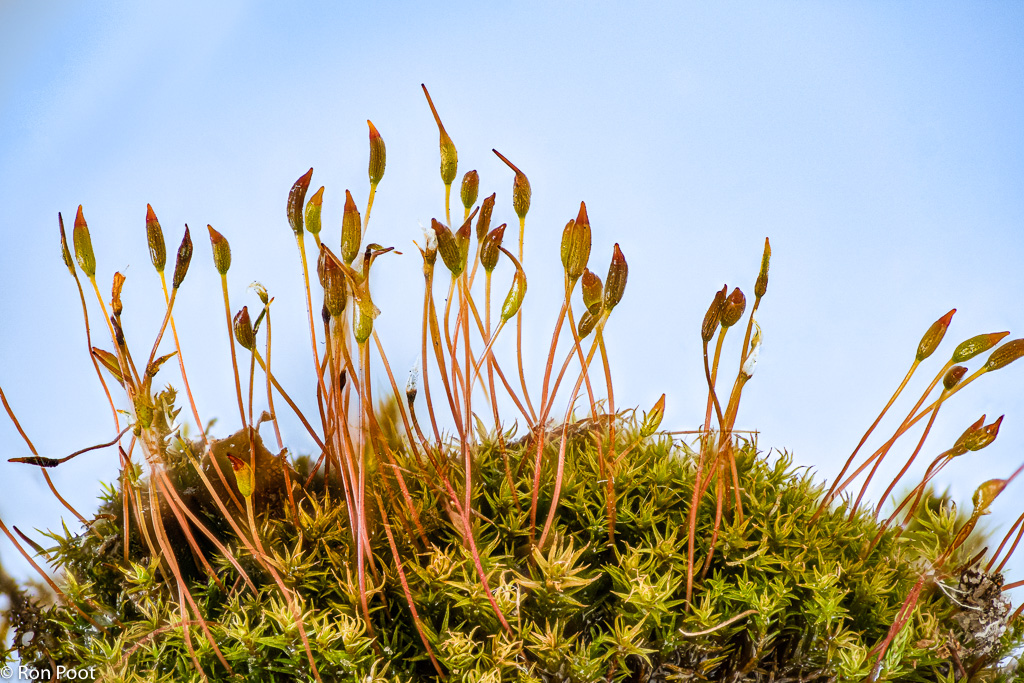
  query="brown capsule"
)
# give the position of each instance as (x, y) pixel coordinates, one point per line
(462, 237)
(520, 189)
(244, 333)
(975, 345)
(615, 282)
(953, 377)
(183, 259)
(489, 249)
(576, 245)
(588, 321)
(115, 295)
(155, 238)
(83, 246)
(325, 315)
(733, 307)
(714, 315)
(980, 438)
(65, 253)
(221, 251)
(296, 199)
(351, 230)
(592, 291)
(449, 156)
(1005, 354)
(448, 247)
(761, 285)
(335, 296)
(483, 221)
(960, 445)
(933, 337)
(378, 155)
(313, 209)
(470, 189)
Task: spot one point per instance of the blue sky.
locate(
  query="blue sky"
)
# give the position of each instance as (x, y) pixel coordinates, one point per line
(878, 145)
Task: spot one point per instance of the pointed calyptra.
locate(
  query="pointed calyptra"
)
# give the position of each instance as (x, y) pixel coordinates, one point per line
(520, 189)
(1005, 354)
(575, 250)
(733, 307)
(183, 259)
(470, 189)
(115, 294)
(449, 156)
(378, 155)
(448, 247)
(221, 251)
(83, 245)
(296, 199)
(933, 337)
(65, 253)
(351, 230)
(244, 333)
(155, 238)
(489, 248)
(652, 420)
(615, 282)
(761, 285)
(975, 345)
(109, 361)
(483, 221)
(313, 209)
(713, 316)
(462, 238)
(592, 291)
(245, 478)
(953, 377)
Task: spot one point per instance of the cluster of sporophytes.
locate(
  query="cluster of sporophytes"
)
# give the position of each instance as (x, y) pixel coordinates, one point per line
(431, 536)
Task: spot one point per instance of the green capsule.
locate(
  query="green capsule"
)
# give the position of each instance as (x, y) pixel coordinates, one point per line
(378, 155)
(83, 246)
(933, 337)
(351, 230)
(221, 251)
(470, 189)
(448, 248)
(449, 156)
(65, 253)
(313, 208)
(245, 478)
(517, 292)
(975, 345)
(521, 192)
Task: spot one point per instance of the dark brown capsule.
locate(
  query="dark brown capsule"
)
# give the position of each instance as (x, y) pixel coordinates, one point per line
(244, 333)
(615, 282)
(296, 200)
(489, 248)
(733, 307)
(183, 259)
(483, 221)
(714, 315)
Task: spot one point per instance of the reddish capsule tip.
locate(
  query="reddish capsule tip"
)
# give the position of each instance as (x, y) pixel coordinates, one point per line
(80, 219)
(150, 216)
(318, 198)
(215, 236)
(350, 204)
(306, 177)
(945, 320)
(582, 218)
(373, 129)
